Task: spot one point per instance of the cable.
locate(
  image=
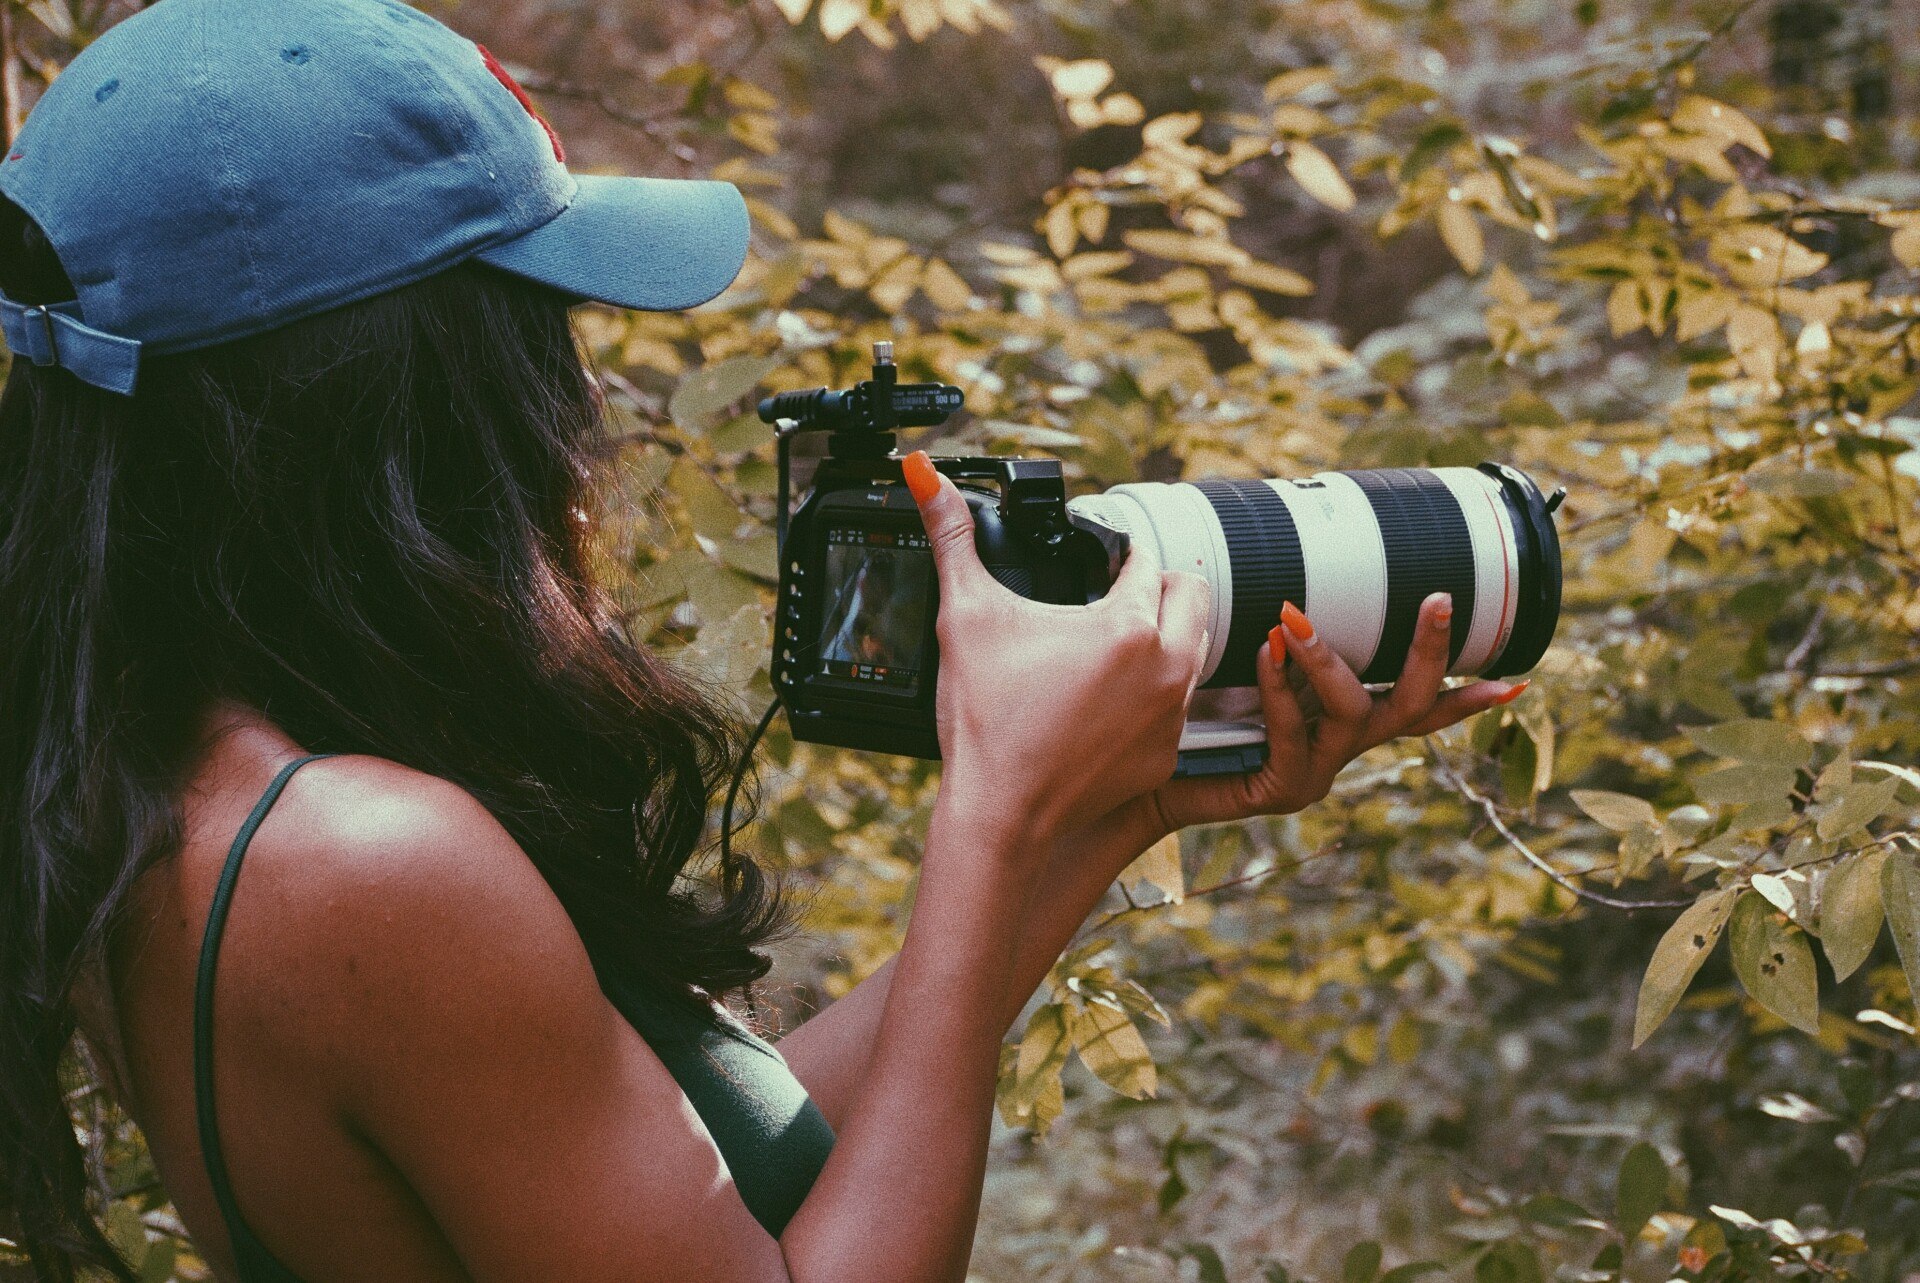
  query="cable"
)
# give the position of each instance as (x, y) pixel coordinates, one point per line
(733, 787)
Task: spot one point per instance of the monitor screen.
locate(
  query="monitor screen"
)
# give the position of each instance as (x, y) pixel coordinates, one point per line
(879, 589)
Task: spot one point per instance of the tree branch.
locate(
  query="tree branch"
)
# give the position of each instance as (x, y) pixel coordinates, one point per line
(1453, 779)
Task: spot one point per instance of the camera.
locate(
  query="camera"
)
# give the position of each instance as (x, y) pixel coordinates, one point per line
(855, 660)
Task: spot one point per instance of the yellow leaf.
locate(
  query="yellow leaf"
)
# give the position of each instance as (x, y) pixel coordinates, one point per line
(1906, 244)
(1504, 287)
(1184, 247)
(1815, 341)
(838, 17)
(1170, 130)
(1647, 547)
(1029, 1087)
(921, 18)
(1626, 311)
(1096, 263)
(1062, 230)
(1754, 336)
(1291, 119)
(1082, 78)
(1763, 257)
(1702, 312)
(1159, 864)
(1265, 276)
(944, 287)
(1701, 115)
(1113, 1049)
(1093, 221)
(1299, 80)
(1313, 170)
(1461, 231)
(844, 229)
(1121, 109)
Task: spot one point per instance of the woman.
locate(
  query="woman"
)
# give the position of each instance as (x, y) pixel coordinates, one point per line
(296, 465)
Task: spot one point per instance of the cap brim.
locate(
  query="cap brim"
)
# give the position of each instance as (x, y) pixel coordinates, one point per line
(655, 244)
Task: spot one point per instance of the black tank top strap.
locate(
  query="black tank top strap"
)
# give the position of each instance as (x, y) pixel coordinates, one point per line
(256, 1264)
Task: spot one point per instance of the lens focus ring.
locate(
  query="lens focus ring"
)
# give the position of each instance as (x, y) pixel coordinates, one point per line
(1263, 553)
(1428, 550)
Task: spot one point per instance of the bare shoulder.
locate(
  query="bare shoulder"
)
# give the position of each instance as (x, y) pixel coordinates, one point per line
(367, 820)
(390, 917)
(353, 834)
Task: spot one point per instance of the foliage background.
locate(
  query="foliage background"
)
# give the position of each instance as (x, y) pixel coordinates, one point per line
(1662, 252)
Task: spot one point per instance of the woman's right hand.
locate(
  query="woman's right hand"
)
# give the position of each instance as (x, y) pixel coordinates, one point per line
(1052, 714)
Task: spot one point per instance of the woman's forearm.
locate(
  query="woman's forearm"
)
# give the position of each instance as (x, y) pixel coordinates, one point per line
(830, 1052)
(898, 1198)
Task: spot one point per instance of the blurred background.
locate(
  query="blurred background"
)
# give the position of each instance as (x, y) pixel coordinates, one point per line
(1662, 253)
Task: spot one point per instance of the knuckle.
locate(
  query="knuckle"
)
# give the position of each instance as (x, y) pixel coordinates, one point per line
(950, 533)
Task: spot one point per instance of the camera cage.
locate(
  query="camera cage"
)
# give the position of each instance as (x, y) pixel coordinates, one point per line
(1022, 531)
(1026, 538)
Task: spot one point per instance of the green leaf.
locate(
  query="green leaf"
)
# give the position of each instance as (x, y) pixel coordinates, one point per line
(1511, 1261)
(1677, 958)
(1754, 740)
(1801, 483)
(1642, 1191)
(1551, 1209)
(158, 1265)
(1362, 1263)
(1429, 147)
(1834, 777)
(710, 508)
(1743, 783)
(1620, 812)
(1900, 892)
(708, 391)
(741, 432)
(1856, 806)
(1212, 1268)
(729, 652)
(1775, 963)
(125, 1232)
(1638, 846)
(1410, 1271)
(1851, 912)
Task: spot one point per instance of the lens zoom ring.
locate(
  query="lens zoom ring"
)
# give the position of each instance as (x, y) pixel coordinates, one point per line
(1429, 549)
(1263, 554)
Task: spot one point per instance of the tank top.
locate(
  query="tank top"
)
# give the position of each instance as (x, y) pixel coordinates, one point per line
(773, 1137)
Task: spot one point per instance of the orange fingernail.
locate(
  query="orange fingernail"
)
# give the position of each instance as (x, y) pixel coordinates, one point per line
(1444, 611)
(922, 480)
(1513, 694)
(1277, 647)
(1296, 622)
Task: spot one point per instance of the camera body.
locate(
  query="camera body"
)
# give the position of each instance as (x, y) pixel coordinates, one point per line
(856, 655)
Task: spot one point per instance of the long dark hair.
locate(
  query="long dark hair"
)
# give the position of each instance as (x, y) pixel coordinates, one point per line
(374, 526)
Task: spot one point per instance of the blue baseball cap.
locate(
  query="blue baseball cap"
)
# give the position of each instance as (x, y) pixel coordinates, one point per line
(208, 169)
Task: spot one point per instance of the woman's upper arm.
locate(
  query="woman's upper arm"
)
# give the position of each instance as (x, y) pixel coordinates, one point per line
(457, 1021)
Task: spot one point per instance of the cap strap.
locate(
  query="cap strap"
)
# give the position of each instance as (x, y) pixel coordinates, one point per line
(53, 334)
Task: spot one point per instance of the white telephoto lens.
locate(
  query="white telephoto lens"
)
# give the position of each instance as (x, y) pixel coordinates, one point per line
(1357, 552)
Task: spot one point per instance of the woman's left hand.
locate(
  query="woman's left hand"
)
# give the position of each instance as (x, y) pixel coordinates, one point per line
(1304, 755)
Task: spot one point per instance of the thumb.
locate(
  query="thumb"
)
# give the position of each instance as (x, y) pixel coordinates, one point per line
(949, 523)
